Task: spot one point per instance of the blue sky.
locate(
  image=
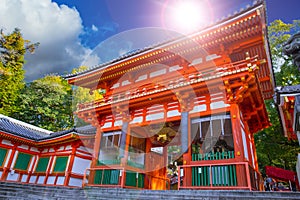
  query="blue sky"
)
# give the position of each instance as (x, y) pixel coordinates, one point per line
(69, 31)
(114, 16)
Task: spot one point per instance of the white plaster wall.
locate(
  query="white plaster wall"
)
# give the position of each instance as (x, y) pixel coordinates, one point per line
(24, 147)
(51, 180)
(154, 116)
(107, 125)
(198, 108)
(41, 180)
(68, 147)
(34, 149)
(218, 104)
(176, 67)
(80, 165)
(142, 77)
(12, 176)
(32, 179)
(118, 123)
(173, 113)
(196, 61)
(75, 182)
(7, 142)
(157, 73)
(60, 180)
(24, 178)
(136, 120)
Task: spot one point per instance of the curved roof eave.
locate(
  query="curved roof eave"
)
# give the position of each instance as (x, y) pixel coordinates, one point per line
(224, 20)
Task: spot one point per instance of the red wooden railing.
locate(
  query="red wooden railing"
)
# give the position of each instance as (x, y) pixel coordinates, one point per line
(234, 176)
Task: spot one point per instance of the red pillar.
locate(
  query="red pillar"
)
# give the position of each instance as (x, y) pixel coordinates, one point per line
(96, 153)
(242, 175)
(70, 166)
(185, 106)
(31, 171)
(124, 146)
(11, 158)
(237, 132)
(96, 146)
(48, 172)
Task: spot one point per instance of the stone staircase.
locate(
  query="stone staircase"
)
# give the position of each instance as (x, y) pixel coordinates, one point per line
(29, 191)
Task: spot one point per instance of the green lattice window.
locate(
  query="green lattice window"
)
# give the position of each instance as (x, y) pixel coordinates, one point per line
(42, 164)
(61, 164)
(134, 179)
(2, 156)
(107, 177)
(23, 161)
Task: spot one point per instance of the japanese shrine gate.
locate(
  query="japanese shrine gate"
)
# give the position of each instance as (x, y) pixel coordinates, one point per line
(199, 97)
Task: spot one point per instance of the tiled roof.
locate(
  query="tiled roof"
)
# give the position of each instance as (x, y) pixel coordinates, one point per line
(28, 131)
(21, 129)
(84, 130)
(135, 52)
(170, 87)
(291, 89)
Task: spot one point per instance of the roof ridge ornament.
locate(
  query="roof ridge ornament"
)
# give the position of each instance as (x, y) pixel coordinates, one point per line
(292, 48)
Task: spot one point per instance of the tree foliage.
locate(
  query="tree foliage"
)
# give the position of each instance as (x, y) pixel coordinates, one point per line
(12, 50)
(279, 33)
(47, 103)
(83, 95)
(272, 148)
(271, 145)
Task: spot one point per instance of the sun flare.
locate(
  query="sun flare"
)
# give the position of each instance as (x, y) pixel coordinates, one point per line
(186, 15)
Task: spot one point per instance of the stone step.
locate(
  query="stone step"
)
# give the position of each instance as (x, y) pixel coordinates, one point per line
(194, 194)
(40, 192)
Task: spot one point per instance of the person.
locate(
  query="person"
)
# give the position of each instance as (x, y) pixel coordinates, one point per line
(266, 184)
(280, 187)
(269, 184)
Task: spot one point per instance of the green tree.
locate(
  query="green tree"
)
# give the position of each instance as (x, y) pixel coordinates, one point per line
(12, 50)
(83, 95)
(285, 72)
(271, 146)
(47, 103)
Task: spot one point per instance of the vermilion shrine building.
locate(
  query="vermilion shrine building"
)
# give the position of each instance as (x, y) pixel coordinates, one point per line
(29, 154)
(196, 100)
(193, 102)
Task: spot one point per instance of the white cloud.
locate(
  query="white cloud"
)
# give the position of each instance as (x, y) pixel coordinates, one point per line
(91, 60)
(56, 28)
(94, 28)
